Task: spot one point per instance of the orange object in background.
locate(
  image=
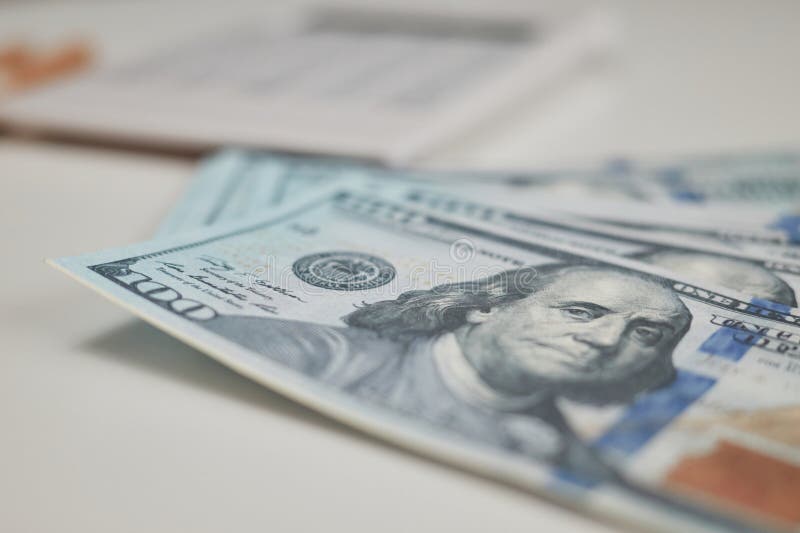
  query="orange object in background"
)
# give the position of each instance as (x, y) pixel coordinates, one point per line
(743, 477)
(21, 67)
(15, 56)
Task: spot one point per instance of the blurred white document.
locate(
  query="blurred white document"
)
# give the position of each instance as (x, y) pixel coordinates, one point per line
(388, 84)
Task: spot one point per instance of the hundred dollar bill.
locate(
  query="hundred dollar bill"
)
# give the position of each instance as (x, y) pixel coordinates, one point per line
(608, 384)
(760, 189)
(236, 184)
(757, 232)
(769, 178)
(753, 274)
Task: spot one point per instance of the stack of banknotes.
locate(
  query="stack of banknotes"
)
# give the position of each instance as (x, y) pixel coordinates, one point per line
(622, 339)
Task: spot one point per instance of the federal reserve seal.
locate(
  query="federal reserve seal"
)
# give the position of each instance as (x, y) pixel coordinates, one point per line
(344, 271)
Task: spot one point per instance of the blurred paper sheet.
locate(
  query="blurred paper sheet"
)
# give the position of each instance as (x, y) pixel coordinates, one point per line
(385, 84)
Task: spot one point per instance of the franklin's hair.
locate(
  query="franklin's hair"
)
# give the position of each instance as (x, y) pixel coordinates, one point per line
(444, 308)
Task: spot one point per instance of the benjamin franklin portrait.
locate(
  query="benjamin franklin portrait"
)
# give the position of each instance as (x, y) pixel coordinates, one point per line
(487, 359)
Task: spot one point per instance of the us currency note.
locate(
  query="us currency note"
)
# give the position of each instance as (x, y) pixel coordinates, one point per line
(611, 385)
(771, 178)
(753, 274)
(761, 189)
(768, 234)
(235, 184)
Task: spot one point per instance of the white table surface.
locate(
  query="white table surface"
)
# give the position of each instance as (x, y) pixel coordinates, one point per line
(110, 425)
